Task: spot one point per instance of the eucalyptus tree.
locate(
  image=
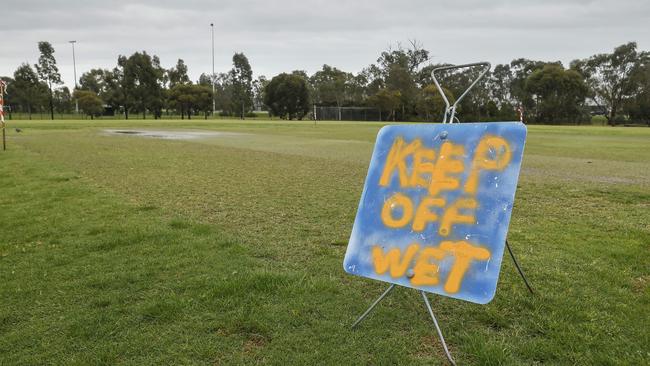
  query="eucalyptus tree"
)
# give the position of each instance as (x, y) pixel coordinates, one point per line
(611, 77)
(204, 79)
(142, 76)
(521, 68)
(258, 91)
(188, 99)
(560, 94)
(398, 70)
(63, 102)
(386, 100)
(330, 86)
(638, 107)
(430, 106)
(115, 88)
(178, 74)
(27, 90)
(47, 70)
(94, 80)
(241, 82)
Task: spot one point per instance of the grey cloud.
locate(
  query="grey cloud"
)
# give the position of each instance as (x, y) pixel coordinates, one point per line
(290, 34)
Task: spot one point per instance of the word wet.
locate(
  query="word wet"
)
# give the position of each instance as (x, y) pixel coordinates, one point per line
(425, 272)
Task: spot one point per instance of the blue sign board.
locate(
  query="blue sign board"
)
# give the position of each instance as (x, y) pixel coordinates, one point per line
(436, 205)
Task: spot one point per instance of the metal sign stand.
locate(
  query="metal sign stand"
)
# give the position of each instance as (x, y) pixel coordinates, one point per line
(449, 117)
(428, 305)
(433, 317)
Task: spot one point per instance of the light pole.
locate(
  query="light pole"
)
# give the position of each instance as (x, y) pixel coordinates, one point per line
(74, 67)
(214, 106)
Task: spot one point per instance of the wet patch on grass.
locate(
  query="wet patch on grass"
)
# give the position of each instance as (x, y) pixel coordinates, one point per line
(170, 134)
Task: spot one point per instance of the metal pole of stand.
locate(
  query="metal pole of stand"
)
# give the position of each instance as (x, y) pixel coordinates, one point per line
(435, 322)
(433, 317)
(450, 109)
(521, 273)
(365, 314)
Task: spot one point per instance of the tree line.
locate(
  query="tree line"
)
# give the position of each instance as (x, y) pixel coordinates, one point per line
(399, 85)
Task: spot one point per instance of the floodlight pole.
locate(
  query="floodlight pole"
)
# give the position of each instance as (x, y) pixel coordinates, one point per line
(74, 68)
(214, 105)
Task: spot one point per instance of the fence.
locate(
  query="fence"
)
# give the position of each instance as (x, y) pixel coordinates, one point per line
(347, 113)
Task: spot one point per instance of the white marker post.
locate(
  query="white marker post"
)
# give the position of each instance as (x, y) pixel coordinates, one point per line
(3, 88)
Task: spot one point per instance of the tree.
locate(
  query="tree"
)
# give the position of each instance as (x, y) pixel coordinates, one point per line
(181, 98)
(357, 88)
(521, 68)
(258, 92)
(94, 80)
(178, 75)
(560, 93)
(223, 93)
(386, 100)
(89, 103)
(610, 77)
(115, 92)
(477, 105)
(205, 79)
(47, 70)
(27, 91)
(374, 79)
(499, 85)
(203, 99)
(188, 99)
(410, 59)
(399, 71)
(638, 107)
(430, 104)
(63, 100)
(142, 83)
(330, 86)
(241, 78)
(287, 96)
(399, 83)
(400, 80)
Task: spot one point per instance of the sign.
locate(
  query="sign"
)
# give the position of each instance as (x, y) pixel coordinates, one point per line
(436, 205)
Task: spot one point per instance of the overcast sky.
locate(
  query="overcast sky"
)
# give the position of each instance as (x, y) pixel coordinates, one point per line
(286, 35)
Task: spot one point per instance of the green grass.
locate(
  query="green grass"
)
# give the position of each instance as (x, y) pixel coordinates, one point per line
(599, 120)
(125, 250)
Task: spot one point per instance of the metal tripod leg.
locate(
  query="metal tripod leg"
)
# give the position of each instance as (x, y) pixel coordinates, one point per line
(365, 314)
(521, 273)
(435, 322)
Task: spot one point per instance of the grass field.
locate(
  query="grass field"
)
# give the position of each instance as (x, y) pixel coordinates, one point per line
(228, 250)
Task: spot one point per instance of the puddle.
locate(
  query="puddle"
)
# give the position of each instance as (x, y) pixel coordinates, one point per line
(170, 135)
